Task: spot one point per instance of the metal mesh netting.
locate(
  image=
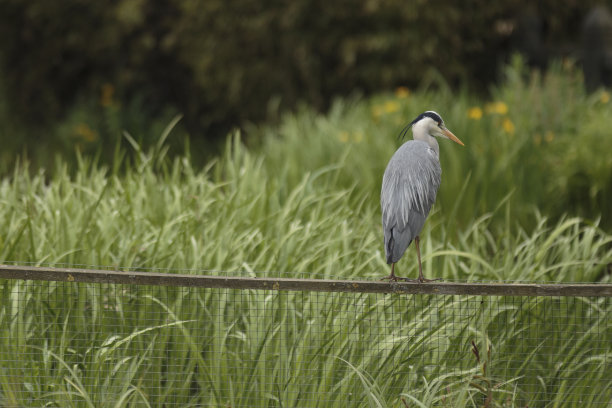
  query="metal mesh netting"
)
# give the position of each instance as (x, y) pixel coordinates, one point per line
(97, 345)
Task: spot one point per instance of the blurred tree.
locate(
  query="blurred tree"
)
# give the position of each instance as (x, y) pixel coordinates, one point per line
(220, 62)
(597, 46)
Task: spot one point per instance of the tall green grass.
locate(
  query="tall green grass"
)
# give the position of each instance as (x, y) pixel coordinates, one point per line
(91, 345)
(238, 215)
(304, 203)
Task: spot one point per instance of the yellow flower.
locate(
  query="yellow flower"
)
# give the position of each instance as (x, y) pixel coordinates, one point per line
(106, 97)
(343, 136)
(508, 126)
(376, 113)
(604, 97)
(537, 139)
(85, 132)
(499, 108)
(475, 113)
(402, 92)
(391, 106)
(549, 136)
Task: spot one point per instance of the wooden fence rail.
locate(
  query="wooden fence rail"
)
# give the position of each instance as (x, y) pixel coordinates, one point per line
(317, 285)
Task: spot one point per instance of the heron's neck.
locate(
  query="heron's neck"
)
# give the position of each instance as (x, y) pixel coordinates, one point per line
(420, 133)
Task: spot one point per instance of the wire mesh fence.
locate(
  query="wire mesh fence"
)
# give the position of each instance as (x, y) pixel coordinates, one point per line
(86, 341)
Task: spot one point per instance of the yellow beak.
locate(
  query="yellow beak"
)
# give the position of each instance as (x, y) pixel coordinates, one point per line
(452, 137)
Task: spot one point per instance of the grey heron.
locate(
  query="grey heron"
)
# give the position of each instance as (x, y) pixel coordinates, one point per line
(409, 188)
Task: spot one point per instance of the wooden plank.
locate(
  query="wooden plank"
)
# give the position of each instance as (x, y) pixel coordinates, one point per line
(316, 285)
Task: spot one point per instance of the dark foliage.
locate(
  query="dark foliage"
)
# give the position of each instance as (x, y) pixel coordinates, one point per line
(220, 63)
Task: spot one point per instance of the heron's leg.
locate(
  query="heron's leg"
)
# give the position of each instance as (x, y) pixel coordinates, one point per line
(392, 276)
(418, 249)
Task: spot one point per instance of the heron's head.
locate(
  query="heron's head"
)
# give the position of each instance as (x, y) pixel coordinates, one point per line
(430, 124)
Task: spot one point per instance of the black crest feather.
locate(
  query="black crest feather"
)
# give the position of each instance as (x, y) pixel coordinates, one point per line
(428, 114)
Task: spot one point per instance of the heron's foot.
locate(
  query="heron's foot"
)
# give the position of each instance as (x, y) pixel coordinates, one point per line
(410, 280)
(392, 277)
(424, 280)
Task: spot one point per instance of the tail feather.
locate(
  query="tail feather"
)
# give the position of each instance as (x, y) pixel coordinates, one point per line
(396, 243)
(389, 248)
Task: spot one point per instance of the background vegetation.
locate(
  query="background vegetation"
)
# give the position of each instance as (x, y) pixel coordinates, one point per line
(72, 68)
(99, 169)
(303, 202)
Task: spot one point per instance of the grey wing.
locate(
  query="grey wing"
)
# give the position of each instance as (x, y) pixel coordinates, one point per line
(409, 189)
